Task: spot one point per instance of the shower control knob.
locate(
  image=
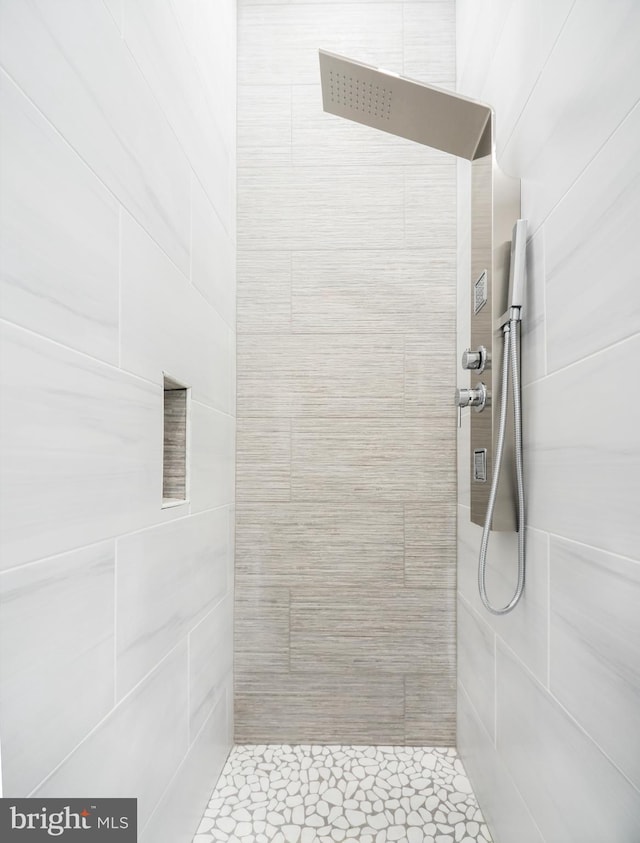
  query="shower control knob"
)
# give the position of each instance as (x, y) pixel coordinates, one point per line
(476, 397)
(474, 359)
(463, 397)
(471, 359)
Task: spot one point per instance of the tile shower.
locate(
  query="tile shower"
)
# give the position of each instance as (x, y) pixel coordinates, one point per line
(349, 621)
(345, 493)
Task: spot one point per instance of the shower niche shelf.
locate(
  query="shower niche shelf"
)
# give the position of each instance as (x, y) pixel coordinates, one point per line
(175, 443)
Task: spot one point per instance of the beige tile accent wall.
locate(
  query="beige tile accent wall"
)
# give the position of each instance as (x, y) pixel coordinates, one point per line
(345, 561)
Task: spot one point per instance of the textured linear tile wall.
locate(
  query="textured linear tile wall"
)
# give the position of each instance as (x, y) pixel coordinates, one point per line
(552, 739)
(345, 558)
(117, 244)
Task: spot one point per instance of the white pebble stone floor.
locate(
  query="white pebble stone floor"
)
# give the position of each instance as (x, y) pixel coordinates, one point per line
(328, 794)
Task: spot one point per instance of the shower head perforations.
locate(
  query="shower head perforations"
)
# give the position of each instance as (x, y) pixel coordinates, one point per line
(348, 91)
(404, 107)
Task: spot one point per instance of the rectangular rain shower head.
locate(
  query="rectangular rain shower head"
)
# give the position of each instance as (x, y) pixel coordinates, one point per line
(430, 116)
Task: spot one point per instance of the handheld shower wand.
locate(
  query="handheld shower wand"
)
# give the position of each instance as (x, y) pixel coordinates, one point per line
(509, 323)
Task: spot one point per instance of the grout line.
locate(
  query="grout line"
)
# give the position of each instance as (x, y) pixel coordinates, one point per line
(215, 409)
(291, 156)
(455, 88)
(495, 689)
(106, 717)
(227, 595)
(436, 252)
(178, 770)
(205, 90)
(99, 178)
(115, 367)
(404, 707)
(195, 290)
(404, 374)
(55, 556)
(537, 79)
(191, 175)
(113, 538)
(549, 612)
(290, 500)
(289, 628)
(404, 544)
(189, 743)
(550, 696)
(588, 357)
(279, 333)
(551, 534)
(120, 285)
(504, 766)
(402, 37)
(115, 623)
(98, 360)
(545, 335)
(484, 623)
(586, 166)
(404, 209)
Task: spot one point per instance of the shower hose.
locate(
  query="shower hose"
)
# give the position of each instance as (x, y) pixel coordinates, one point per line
(510, 356)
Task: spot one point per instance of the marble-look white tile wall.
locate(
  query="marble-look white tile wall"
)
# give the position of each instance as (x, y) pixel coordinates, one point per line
(549, 696)
(117, 264)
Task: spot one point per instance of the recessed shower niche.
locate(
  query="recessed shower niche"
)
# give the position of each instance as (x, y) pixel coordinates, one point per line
(175, 443)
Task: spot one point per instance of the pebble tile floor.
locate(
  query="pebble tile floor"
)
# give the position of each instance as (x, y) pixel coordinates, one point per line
(327, 794)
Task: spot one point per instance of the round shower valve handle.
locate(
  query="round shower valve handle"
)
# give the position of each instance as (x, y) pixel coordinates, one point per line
(476, 397)
(474, 359)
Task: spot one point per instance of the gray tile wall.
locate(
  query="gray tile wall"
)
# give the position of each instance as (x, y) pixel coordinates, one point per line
(345, 562)
(549, 696)
(117, 237)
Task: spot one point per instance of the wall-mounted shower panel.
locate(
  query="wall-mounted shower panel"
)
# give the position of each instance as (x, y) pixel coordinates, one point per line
(495, 206)
(462, 127)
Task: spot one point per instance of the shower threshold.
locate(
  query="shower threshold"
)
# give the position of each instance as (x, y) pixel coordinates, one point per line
(328, 794)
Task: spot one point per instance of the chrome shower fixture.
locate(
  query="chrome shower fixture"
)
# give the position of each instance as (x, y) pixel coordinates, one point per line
(463, 127)
(403, 107)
